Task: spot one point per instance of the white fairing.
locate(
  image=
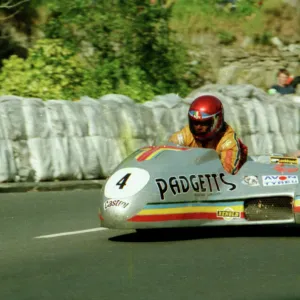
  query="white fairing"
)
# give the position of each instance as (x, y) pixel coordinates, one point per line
(126, 183)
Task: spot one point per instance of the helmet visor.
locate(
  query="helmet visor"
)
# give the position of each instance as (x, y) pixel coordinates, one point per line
(203, 127)
(195, 114)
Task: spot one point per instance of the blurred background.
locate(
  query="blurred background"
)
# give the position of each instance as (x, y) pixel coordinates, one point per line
(141, 48)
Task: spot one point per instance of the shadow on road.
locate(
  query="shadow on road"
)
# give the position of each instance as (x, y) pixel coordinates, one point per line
(183, 234)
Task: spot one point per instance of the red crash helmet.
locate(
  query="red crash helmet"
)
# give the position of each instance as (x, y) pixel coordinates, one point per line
(206, 110)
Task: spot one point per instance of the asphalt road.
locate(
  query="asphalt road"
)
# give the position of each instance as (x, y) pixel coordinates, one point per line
(45, 254)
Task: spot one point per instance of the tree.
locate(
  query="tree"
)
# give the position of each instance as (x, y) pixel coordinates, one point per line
(9, 5)
(131, 39)
(17, 21)
(120, 46)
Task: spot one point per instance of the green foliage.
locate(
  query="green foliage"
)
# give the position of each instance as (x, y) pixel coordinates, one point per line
(226, 37)
(96, 47)
(51, 71)
(100, 47)
(264, 38)
(246, 7)
(133, 49)
(214, 8)
(136, 86)
(194, 16)
(17, 20)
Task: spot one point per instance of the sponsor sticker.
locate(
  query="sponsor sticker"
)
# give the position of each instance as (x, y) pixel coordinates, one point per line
(284, 160)
(251, 180)
(281, 168)
(275, 180)
(228, 214)
(199, 183)
(115, 203)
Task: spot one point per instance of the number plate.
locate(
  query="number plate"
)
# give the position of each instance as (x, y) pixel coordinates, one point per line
(126, 183)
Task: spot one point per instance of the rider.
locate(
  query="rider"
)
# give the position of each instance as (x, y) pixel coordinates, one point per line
(207, 129)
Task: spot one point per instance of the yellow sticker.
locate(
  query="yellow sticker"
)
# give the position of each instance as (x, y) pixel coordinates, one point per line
(284, 160)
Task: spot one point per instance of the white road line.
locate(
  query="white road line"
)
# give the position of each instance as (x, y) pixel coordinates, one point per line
(49, 236)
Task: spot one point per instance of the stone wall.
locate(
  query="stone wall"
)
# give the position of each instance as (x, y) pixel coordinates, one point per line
(228, 65)
(257, 68)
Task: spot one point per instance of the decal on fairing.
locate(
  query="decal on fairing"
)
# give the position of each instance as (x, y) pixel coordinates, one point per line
(205, 183)
(281, 168)
(276, 180)
(158, 212)
(251, 180)
(115, 203)
(150, 152)
(297, 204)
(284, 160)
(126, 183)
(228, 214)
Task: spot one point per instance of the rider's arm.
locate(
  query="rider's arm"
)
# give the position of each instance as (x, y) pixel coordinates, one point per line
(182, 137)
(233, 154)
(177, 138)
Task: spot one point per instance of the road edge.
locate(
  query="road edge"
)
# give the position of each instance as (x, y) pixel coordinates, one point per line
(15, 187)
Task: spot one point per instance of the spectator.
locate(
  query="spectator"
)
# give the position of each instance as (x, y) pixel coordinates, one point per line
(294, 81)
(283, 86)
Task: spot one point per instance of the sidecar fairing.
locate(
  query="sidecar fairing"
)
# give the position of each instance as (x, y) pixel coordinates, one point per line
(171, 186)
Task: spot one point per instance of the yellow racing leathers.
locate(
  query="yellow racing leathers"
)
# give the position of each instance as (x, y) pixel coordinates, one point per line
(232, 152)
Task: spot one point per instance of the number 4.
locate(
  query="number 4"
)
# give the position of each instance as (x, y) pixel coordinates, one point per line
(122, 182)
